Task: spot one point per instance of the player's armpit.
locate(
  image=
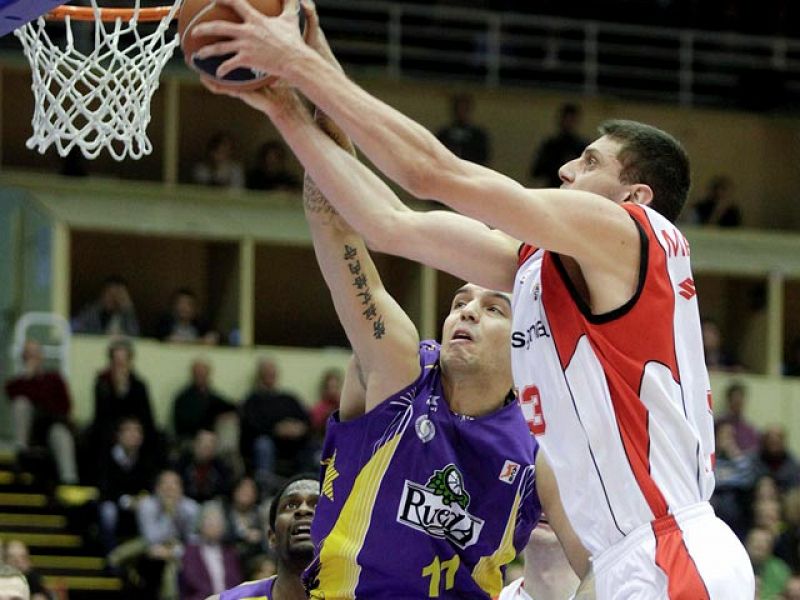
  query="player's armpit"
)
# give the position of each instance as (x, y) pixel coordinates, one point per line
(353, 398)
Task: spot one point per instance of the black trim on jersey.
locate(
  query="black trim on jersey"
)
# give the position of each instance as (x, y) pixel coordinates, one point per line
(609, 316)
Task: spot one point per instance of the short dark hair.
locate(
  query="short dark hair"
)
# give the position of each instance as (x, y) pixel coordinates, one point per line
(655, 158)
(121, 343)
(276, 500)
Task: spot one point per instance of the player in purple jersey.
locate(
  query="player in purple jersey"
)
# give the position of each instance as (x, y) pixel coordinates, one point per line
(290, 516)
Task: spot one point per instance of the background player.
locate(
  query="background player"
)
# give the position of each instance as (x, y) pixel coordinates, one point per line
(608, 354)
(290, 516)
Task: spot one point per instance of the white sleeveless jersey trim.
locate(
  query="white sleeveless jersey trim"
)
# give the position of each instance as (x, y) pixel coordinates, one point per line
(620, 403)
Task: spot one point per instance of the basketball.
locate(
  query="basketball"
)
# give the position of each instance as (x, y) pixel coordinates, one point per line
(193, 12)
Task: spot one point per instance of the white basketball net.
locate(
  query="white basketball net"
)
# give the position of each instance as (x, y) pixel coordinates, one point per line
(100, 99)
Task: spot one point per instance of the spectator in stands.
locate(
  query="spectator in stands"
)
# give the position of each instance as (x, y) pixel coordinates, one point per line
(766, 489)
(111, 314)
(126, 473)
(41, 407)
(166, 523)
(330, 390)
(270, 171)
(747, 437)
(771, 572)
(17, 556)
(717, 206)
(262, 566)
(775, 459)
(735, 477)
(245, 526)
(767, 515)
(465, 139)
(204, 476)
(218, 168)
(787, 546)
(209, 566)
(183, 323)
(275, 436)
(118, 393)
(198, 405)
(13, 585)
(717, 358)
(559, 149)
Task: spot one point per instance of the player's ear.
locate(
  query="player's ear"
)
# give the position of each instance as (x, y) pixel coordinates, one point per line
(641, 193)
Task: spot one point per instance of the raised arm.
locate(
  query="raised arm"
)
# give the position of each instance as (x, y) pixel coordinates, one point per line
(443, 240)
(568, 222)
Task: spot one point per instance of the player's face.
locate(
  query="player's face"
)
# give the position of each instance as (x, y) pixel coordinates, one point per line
(597, 170)
(296, 507)
(478, 328)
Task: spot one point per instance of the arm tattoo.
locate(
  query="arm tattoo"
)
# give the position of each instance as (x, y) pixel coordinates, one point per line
(314, 202)
(363, 293)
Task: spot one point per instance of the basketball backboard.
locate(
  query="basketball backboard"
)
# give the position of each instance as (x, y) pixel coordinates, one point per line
(15, 13)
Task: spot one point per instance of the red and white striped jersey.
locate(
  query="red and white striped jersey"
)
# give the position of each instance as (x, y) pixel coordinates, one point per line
(620, 402)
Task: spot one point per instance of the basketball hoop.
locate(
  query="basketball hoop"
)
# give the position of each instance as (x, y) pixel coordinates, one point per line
(98, 99)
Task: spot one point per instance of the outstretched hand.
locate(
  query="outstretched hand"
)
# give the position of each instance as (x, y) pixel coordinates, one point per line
(262, 43)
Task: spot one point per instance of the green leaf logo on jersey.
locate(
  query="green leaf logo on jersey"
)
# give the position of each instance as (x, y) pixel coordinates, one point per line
(449, 484)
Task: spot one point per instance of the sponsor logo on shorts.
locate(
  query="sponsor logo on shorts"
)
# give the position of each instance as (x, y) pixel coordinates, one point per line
(439, 508)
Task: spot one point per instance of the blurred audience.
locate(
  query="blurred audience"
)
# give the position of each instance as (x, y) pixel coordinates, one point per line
(746, 435)
(209, 566)
(41, 411)
(330, 391)
(775, 459)
(126, 474)
(13, 585)
(791, 591)
(219, 168)
(198, 405)
(717, 207)
(462, 136)
(111, 314)
(118, 393)
(735, 474)
(205, 476)
(245, 523)
(18, 556)
(717, 357)
(166, 523)
(771, 572)
(183, 323)
(557, 150)
(275, 429)
(787, 546)
(270, 171)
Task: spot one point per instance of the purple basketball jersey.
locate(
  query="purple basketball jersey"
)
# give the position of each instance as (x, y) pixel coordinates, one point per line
(417, 501)
(252, 590)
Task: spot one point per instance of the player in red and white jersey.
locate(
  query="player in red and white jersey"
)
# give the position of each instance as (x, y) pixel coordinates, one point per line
(608, 354)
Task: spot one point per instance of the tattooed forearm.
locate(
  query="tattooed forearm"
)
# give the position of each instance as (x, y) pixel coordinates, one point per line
(314, 201)
(363, 293)
(334, 131)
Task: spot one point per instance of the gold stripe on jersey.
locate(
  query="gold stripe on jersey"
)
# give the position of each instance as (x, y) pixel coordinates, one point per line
(339, 569)
(487, 573)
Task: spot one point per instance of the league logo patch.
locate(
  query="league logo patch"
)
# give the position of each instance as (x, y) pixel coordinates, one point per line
(509, 472)
(439, 508)
(425, 429)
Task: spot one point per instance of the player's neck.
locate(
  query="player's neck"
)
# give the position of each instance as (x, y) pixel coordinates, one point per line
(288, 584)
(473, 396)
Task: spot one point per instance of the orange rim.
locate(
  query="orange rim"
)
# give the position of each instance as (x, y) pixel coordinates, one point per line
(87, 13)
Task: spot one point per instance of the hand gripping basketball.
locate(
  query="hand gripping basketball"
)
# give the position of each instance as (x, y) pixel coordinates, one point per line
(259, 43)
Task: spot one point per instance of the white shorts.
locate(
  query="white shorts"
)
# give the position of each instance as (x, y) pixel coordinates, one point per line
(689, 555)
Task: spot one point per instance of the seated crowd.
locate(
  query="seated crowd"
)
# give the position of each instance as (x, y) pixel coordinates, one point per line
(183, 513)
(180, 513)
